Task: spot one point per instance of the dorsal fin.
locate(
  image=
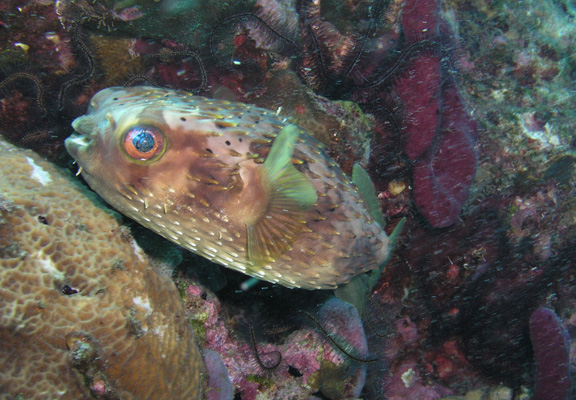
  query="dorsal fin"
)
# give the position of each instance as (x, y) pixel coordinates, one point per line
(361, 179)
(291, 194)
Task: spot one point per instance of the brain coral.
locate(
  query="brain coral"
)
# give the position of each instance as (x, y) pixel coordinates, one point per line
(82, 313)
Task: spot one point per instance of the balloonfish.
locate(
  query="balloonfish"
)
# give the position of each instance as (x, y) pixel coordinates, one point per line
(232, 182)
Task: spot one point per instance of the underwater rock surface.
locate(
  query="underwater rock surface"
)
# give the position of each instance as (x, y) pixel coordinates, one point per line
(82, 312)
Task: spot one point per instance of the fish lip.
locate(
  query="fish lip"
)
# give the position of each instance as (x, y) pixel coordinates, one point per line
(77, 143)
(84, 126)
(77, 139)
(81, 138)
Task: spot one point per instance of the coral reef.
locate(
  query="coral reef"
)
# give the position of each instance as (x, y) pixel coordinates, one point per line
(438, 133)
(82, 313)
(188, 18)
(450, 317)
(479, 280)
(324, 353)
(39, 98)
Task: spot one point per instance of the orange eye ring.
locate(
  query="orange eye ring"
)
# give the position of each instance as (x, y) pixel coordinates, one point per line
(143, 143)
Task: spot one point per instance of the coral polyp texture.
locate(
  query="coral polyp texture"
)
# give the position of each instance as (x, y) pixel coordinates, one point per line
(82, 312)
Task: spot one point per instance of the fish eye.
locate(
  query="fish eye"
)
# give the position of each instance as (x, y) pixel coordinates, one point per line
(143, 143)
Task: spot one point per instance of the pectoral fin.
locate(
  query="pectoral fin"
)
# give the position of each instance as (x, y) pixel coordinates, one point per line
(291, 194)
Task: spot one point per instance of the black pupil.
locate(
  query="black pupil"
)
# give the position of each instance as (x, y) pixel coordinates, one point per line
(143, 141)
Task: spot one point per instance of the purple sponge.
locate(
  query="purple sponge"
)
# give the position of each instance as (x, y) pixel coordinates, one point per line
(343, 323)
(219, 385)
(551, 345)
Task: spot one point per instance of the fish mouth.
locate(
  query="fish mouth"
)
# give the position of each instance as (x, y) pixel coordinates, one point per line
(76, 144)
(78, 140)
(79, 143)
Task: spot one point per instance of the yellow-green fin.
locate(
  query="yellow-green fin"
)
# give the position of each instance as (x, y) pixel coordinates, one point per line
(361, 179)
(291, 194)
(355, 292)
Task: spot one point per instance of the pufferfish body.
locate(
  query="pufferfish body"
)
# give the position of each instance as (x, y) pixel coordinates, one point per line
(229, 181)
